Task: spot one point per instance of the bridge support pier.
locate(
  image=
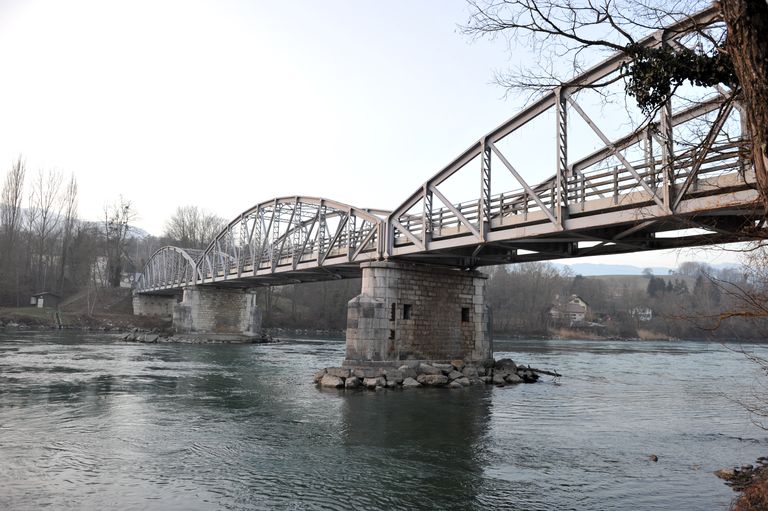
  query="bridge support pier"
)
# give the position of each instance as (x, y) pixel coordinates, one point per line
(213, 311)
(418, 312)
(154, 305)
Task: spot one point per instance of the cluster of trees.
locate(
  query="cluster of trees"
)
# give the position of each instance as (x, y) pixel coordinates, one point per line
(696, 301)
(46, 247)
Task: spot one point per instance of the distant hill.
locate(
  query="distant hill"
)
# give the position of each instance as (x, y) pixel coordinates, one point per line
(640, 282)
(594, 269)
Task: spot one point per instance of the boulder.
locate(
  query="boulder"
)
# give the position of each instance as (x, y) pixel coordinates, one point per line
(727, 474)
(372, 383)
(487, 379)
(428, 369)
(506, 364)
(341, 372)
(444, 368)
(435, 380)
(318, 376)
(498, 379)
(513, 378)
(470, 371)
(457, 364)
(408, 371)
(476, 380)
(352, 382)
(463, 381)
(395, 376)
(391, 384)
(366, 372)
(481, 371)
(455, 385)
(453, 375)
(528, 376)
(331, 381)
(410, 383)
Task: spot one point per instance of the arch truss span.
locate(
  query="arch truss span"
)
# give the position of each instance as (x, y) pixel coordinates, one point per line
(168, 269)
(571, 175)
(293, 239)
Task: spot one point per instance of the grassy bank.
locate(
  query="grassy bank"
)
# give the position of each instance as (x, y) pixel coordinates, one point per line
(108, 309)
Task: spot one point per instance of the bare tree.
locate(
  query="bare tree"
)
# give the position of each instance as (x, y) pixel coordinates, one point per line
(117, 218)
(567, 33)
(44, 220)
(10, 225)
(192, 227)
(69, 208)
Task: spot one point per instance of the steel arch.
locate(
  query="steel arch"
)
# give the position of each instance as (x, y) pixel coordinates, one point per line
(298, 234)
(169, 268)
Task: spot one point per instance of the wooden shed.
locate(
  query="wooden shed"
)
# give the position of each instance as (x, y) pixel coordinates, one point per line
(45, 300)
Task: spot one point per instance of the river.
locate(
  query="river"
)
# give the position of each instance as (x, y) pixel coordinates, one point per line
(88, 422)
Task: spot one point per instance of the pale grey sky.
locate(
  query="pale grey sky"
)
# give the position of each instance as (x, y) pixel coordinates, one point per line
(224, 104)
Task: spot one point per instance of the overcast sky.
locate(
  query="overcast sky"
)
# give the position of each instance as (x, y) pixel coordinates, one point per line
(224, 104)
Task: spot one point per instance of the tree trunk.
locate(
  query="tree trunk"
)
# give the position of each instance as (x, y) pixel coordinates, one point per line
(747, 44)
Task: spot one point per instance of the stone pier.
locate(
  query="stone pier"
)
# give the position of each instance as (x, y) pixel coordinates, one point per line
(418, 312)
(218, 312)
(154, 305)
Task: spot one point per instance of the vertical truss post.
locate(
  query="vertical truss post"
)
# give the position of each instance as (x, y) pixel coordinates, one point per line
(321, 229)
(277, 217)
(561, 139)
(650, 159)
(667, 153)
(426, 218)
(484, 213)
(351, 234)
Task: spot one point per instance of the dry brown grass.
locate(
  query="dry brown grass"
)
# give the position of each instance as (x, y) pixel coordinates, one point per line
(753, 498)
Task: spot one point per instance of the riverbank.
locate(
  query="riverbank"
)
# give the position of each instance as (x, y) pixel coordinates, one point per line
(33, 318)
(751, 481)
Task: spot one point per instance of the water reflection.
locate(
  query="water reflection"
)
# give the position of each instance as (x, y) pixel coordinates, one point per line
(426, 447)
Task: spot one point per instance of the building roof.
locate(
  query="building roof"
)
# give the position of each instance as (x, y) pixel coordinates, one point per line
(46, 293)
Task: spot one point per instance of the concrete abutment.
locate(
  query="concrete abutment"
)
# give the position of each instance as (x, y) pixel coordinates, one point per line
(212, 310)
(418, 312)
(221, 313)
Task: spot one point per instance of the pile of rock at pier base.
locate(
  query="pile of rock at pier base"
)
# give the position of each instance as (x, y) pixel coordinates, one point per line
(411, 374)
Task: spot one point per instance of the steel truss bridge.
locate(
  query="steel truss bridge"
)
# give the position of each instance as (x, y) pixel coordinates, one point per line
(620, 198)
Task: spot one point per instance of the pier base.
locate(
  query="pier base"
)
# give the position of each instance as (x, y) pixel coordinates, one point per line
(154, 305)
(418, 312)
(211, 310)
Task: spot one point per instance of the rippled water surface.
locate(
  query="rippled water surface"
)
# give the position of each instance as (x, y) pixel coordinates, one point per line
(87, 422)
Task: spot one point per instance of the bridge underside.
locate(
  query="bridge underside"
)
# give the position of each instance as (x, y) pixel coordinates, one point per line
(584, 236)
(343, 271)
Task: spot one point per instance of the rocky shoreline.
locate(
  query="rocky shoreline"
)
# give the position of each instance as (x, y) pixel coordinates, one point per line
(740, 478)
(414, 374)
